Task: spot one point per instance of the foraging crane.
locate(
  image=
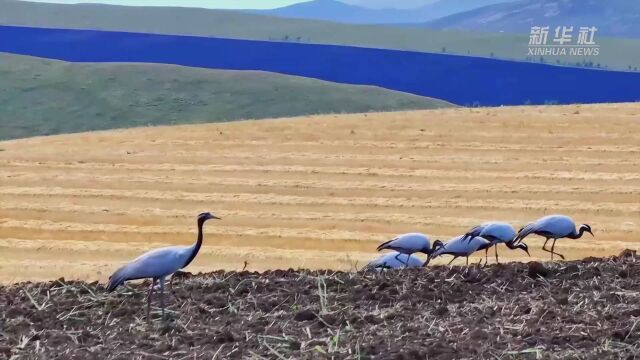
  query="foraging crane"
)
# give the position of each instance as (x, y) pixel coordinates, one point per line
(459, 246)
(553, 227)
(497, 233)
(159, 263)
(409, 244)
(394, 260)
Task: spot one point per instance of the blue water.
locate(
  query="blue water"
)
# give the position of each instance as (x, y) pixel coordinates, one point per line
(461, 80)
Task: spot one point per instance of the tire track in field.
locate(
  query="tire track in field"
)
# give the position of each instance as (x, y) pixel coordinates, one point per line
(390, 218)
(75, 245)
(368, 171)
(321, 184)
(224, 230)
(423, 145)
(198, 157)
(113, 248)
(274, 199)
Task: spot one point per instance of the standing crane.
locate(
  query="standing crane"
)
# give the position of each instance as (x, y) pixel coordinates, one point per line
(159, 263)
(553, 227)
(459, 246)
(497, 233)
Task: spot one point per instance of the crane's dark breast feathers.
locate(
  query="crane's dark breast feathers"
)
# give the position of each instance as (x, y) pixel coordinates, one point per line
(189, 260)
(456, 254)
(491, 238)
(191, 257)
(546, 234)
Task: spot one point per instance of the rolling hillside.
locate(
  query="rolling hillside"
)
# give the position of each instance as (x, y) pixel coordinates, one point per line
(615, 53)
(617, 18)
(319, 192)
(43, 97)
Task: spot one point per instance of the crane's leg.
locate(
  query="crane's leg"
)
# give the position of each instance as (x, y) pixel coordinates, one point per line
(170, 290)
(544, 248)
(467, 261)
(151, 288)
(455, 257)
(406, 264)
(162, 279)
(486, 256)
(496, 248)
(552, 252)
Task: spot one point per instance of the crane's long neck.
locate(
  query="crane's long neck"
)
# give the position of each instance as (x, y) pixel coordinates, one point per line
(576, 235)
(198, 244)
(511, 245)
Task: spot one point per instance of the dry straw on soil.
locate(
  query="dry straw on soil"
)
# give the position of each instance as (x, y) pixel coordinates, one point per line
(583, 309)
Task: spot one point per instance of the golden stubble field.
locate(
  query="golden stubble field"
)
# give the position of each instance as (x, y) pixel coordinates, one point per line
(316, 192)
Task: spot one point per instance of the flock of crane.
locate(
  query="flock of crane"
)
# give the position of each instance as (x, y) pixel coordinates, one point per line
(481, 237)
(159, 263)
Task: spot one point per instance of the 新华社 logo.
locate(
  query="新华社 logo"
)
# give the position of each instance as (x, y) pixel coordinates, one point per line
(564, 41)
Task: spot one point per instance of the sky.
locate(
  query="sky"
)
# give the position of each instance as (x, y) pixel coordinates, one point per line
(242, 4)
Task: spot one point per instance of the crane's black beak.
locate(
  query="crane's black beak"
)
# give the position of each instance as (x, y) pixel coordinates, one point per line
(525, 248)
(589, 231)
(428, 260)
(215, 217)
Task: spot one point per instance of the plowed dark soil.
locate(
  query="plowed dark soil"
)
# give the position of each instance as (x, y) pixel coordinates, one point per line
(586, 309)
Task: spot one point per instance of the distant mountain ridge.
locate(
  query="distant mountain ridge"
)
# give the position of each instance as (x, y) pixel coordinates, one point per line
(618, 18)
(386, 4)
(334, 10)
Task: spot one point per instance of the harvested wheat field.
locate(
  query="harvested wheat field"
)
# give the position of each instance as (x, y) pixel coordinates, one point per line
(316, 192)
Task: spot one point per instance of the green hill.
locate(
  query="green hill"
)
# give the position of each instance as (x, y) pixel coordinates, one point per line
(43, 97)
(614, 53)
